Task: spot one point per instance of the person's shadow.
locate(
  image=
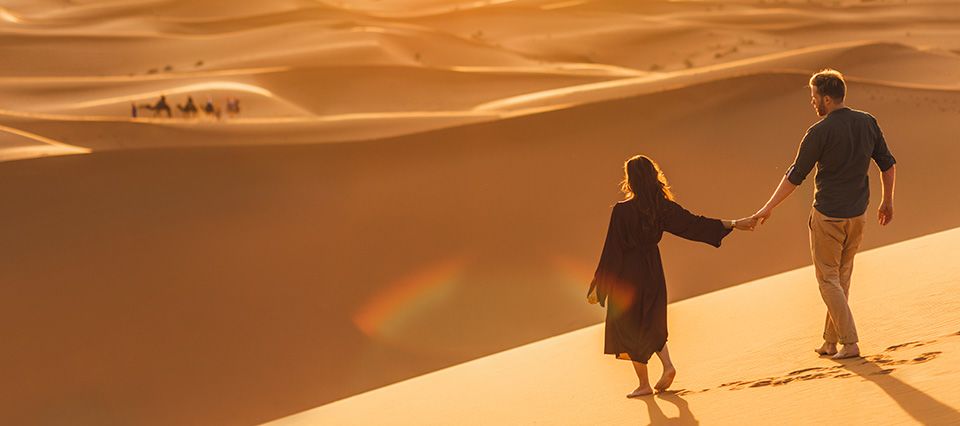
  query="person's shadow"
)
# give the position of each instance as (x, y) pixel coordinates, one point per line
(657, 417)
(922, 407)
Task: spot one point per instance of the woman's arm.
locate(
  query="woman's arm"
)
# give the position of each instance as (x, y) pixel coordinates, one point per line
(680, 222)
(611, 258)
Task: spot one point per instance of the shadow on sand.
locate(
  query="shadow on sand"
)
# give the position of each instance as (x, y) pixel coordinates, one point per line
(922, 407)
(657, 417)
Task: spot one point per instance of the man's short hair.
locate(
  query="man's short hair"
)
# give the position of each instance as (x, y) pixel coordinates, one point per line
(829, 82)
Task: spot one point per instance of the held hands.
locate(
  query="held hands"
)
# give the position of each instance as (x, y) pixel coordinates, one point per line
(758, 218)
(746, 224)
(763, 215)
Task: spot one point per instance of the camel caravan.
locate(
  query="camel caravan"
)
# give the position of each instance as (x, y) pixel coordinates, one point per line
(189, 110)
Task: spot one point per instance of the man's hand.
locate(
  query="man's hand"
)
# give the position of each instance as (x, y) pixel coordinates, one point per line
(747, 224)
(592, 297)
(885, 213)
(763, 215)
(784, 189)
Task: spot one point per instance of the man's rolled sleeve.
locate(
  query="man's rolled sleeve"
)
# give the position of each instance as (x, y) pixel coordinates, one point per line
(881, 154)
(807, 157)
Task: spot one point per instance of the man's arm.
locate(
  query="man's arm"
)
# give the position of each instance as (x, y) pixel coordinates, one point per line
(807, 156)
(885, 213)
(783, 191)
(888, 174)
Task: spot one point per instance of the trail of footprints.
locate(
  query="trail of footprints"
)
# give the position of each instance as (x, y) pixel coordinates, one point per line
(885, 360)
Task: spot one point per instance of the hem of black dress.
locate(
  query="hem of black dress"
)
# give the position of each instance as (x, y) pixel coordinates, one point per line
(616, 355)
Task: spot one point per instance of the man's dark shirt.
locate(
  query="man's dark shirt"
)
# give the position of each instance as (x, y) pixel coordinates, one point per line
(841, 145)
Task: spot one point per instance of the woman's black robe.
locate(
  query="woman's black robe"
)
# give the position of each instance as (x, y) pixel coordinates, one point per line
(630, 276)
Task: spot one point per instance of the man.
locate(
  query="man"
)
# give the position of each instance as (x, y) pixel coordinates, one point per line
(841, 144)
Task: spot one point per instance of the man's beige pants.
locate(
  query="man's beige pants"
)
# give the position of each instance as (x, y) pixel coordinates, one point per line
(833, 244)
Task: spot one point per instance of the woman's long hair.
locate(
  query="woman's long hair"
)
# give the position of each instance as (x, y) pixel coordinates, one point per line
(644, 182)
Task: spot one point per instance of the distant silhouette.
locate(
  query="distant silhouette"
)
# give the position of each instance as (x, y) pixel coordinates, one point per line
(630, 273)
(133, 110)
(233, 107)
(210, 109)
(161, 105)
(190, 109)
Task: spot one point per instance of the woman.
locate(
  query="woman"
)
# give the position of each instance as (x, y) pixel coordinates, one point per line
(630, 274)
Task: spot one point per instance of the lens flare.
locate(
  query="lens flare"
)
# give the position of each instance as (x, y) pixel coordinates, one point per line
(388, 311)
(577, 274)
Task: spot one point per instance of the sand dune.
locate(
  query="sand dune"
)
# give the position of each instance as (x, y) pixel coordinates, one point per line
(876, 63)
(279, 238)
(280, 93)
(681, 35)
(402, 175)
(815, 58)
(277, 92)
(745, 356)
(62, 12)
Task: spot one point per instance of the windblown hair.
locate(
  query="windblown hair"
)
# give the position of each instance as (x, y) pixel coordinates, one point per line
(829, 82)
(644, 182)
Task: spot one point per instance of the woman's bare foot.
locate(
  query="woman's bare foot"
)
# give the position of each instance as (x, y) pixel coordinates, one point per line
(849, 351)
(666, 379)
(640, 391)
(827, 349)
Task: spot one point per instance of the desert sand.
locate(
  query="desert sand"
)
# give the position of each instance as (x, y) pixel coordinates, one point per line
(410, 185)
(744, 356)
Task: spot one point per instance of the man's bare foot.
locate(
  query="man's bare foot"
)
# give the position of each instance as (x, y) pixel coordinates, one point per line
(640, 391)
(849, 351)
(666, 379)
(827, 349)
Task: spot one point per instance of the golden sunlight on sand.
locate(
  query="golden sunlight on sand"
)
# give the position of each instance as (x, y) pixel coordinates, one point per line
(745, 356)
(363, 192)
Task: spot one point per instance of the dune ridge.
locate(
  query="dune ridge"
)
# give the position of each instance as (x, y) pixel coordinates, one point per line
(17, 144)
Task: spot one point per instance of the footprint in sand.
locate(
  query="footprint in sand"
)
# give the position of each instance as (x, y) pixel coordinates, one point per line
(834, 372)
(794, 373)
(839, 372)
(682, 392)
(928, 356)
(904, 346)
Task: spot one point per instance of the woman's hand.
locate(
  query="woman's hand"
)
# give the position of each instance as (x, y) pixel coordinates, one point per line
(592, 297)
(747, 224)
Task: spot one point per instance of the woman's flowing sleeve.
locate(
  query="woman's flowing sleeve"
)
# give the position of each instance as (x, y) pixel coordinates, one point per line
(680, 222)
(611, 258)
